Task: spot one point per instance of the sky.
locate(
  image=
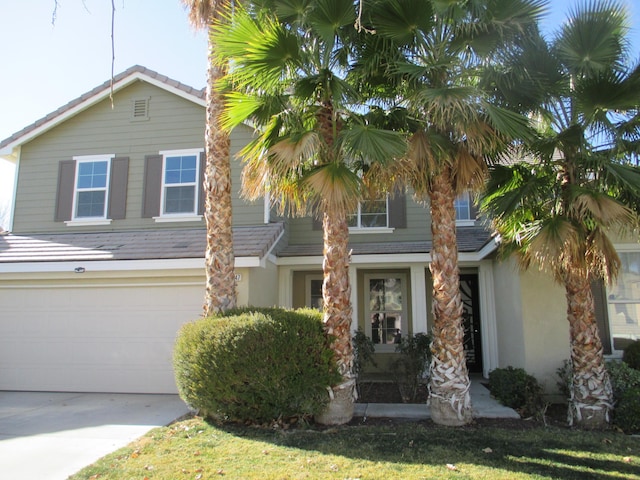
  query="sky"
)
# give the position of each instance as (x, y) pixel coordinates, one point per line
(47, 62)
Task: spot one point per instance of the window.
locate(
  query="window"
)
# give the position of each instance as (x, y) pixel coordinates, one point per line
(92, 190)
(91, 182)
(313, 292)
(370, 214)
(464, 210)
(385, 309)
(624, 302)
(179, 182)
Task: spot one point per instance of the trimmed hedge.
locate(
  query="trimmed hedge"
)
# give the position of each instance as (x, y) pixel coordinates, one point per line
(515, 388)
(255, 365)
(625, 382)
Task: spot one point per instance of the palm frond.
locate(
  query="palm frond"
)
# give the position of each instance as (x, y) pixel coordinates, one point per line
(335, 185)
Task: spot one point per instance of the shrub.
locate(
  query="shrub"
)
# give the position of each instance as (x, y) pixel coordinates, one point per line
(363, 350)
(515, 388)
(565, 376)
(413, 364)
(626, 414)
(623, 378)
(255, 365)
(625, 382)
(631, 355)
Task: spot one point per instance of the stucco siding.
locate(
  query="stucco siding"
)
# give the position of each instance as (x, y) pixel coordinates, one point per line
(510, 332)
(546, 330)
(174, 123)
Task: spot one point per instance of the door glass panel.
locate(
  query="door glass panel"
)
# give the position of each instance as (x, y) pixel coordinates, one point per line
(385, 310)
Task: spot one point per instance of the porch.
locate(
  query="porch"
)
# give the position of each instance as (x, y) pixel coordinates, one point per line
(484, 406)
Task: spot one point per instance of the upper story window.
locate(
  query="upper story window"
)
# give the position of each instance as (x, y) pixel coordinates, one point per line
(371, 214)
(91, 193)
(464, 210)
(179, 182)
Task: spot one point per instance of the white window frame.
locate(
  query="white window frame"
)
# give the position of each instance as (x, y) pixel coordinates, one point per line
(307, 289)
(97, 220)
(182, 216)
(359, 229)
(464, 222)
(611, 307)
(404, 321)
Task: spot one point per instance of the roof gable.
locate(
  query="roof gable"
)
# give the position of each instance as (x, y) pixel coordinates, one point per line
(97, 94)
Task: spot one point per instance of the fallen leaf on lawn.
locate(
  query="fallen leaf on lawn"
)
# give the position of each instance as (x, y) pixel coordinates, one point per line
(451, 466)
(220, 472)
(196, 453)
(606, 440)
(487, 450)
(199, 476)
(265, 452)
(627, 459)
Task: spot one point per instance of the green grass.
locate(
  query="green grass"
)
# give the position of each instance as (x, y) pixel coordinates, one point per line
(195, 449)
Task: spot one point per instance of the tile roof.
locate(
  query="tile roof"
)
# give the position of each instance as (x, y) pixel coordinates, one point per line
(249, 241)
(470, 239)
(136, 70)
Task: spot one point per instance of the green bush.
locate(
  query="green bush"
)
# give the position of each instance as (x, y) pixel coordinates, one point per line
(413, 364)
(631, 355)
(516, 389)
(565, 376)
(626, 414)
(623, 378)
(255, 365)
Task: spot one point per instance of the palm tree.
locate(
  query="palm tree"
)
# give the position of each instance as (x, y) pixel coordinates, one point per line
(439, 51)
(290, 79)
(558, 212)
(220, 290)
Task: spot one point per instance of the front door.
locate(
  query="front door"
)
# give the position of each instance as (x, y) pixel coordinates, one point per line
(471, 321)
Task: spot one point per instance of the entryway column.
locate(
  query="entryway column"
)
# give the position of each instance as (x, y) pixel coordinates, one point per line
(489, 330)
(419, 299)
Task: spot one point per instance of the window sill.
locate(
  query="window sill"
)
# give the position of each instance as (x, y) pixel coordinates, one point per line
(365, 230)
(88, 222)
(178, 218)
(465, 223)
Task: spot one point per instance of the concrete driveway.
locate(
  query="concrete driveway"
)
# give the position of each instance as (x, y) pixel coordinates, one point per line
(49, 436)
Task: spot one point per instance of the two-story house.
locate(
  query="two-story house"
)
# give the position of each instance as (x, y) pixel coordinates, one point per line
(105, 256)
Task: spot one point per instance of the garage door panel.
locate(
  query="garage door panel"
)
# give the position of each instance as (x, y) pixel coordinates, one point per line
(99, 339)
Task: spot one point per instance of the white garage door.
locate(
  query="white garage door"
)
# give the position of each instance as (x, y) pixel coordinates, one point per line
(98, 338)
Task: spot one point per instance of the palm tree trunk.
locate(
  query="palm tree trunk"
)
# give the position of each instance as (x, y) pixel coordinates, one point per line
(220, 291)
(336, 295)
(591, 394)
(449, 381)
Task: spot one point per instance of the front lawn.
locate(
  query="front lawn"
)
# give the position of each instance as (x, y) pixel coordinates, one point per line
(195, 449)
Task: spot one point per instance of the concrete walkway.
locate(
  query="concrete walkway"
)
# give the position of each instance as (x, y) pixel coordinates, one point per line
(49, 436)
(483, 407)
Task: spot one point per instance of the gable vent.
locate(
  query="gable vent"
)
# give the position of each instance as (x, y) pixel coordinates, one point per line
(140, 109)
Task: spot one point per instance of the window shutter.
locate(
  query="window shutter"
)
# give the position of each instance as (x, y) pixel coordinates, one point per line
(316, 223)
(152, 186)
(64, 195)
(201, 198)
(602, 317)
(118, 188)
(398, 210)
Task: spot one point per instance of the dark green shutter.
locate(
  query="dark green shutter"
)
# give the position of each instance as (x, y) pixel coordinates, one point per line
(152, 186)
(201, 194)
(398, 210)
(64, 194)
(118, 188)
(602, 316)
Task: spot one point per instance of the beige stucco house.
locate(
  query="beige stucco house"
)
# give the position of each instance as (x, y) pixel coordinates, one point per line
(104, 256)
